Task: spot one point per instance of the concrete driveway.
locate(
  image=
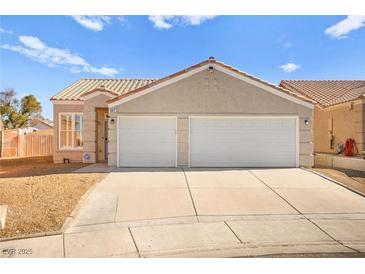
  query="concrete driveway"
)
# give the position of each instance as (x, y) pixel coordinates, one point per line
(216, 213)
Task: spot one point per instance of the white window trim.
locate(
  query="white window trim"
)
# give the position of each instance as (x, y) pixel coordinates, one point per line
(72, 125)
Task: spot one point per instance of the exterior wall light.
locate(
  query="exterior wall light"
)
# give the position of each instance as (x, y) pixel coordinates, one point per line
(112, 121)
(211, 69)
(306, 122)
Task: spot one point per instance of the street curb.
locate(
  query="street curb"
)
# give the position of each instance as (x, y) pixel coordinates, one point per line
(34, 235)
(334, 181)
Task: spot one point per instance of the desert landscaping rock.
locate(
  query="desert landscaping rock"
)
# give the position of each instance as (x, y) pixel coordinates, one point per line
(40, 194)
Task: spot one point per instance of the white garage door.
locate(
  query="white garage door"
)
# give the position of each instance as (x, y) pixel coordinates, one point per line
(243, 142)
(147, 141)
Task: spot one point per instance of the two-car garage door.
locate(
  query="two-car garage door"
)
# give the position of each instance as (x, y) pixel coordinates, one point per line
(242, 142)
(213, 141)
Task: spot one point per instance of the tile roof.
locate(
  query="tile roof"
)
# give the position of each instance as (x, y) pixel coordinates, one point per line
(126, 87)
(327, 92)
(211, 60)
(84, 85)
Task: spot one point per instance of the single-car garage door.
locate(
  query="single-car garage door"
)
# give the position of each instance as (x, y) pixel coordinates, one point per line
(146, 141)
(243, 141)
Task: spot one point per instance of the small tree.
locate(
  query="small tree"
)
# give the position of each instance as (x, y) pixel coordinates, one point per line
(18, 114)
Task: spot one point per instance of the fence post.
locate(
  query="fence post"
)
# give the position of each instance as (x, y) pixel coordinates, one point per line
(20, 138)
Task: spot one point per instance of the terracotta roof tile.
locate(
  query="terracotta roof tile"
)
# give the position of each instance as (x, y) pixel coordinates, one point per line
(327, 92)
(85, 85)
(126, 87)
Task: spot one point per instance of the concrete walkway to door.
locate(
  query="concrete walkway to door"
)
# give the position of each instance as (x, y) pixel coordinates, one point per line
(216, 213)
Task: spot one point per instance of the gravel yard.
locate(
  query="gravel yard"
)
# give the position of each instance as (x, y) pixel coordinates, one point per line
(40, 195)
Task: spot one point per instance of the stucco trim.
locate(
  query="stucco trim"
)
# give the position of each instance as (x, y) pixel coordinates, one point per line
(194, 70)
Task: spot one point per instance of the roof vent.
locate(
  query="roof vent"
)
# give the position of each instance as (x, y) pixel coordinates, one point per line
(102, 87)
(211, 58)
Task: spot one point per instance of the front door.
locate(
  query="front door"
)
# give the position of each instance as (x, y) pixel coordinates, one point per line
(101, 134)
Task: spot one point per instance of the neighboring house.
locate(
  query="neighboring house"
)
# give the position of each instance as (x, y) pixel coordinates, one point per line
(207, 115)
(339, 113)
(43, 124)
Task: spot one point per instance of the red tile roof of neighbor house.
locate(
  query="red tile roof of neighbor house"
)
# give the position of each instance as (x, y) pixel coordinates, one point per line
(327, 92)
(127, 87)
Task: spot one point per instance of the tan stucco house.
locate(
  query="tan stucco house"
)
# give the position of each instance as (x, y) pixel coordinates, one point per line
(339, 114)
(207, 115)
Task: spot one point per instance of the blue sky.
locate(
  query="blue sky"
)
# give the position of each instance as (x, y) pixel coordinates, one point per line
(41, 55)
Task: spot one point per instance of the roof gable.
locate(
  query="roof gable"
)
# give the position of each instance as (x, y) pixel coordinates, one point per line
(207, 64)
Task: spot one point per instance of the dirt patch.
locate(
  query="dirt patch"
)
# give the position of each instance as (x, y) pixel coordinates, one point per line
(40, 195)
(351, 178)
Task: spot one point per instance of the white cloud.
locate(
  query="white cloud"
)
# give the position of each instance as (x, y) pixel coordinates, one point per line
(95, 23)
(160, 21)
(344, 27)
(35, 49)
(32, 42)
(289, 67)
(6, 31)
(168, 21)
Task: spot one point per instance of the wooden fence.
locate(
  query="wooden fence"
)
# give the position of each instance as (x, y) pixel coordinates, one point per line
(17, 144)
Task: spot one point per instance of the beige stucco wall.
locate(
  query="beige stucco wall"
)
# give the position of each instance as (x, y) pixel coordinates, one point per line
(215, 93)
(59, 155)
(347, 122)
(89, 128)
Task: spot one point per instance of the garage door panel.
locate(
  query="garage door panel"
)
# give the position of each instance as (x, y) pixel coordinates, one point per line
(147, 141)
(242, 142)
(133, 137)
(144, 160)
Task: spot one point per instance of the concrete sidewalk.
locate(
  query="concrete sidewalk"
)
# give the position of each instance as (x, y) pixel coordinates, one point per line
(207, 213)
(241, 236)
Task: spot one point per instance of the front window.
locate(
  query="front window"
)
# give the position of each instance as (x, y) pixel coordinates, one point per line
(70, 130)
